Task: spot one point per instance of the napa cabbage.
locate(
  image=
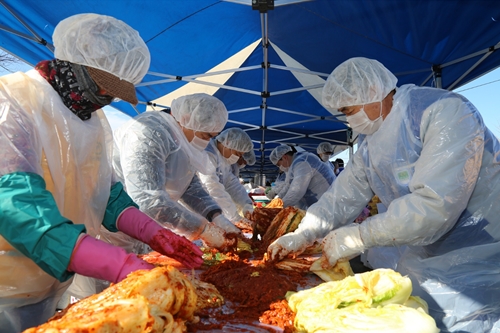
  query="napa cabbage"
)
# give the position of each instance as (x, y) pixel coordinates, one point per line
(375, 301)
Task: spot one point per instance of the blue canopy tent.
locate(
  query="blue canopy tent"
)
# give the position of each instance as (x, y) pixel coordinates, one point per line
(274, 92)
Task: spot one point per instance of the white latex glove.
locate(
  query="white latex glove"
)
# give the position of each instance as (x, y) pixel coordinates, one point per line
(342, 243)
(222, 222)
(291, 243)
(271, 194)
(215, 237)
(247, 210)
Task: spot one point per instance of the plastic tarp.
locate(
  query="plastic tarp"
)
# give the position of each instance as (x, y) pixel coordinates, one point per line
(274, 90)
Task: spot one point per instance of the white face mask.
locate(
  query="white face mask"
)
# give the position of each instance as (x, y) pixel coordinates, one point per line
(362, 124)
(283, 168)
(232, 159)
(325, 157)
(199, 143)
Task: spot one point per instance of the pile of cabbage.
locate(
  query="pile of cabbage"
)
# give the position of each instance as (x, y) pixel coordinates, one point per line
(375, 301)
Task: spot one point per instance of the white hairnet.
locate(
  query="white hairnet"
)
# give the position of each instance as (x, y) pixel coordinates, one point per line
(249, 157)
(102, 42)
(235, 138)
(278, 153)
(200, 112)
(324, 147)
(357, 81)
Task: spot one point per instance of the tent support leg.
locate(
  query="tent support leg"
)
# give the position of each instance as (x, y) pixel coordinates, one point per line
(265, 93)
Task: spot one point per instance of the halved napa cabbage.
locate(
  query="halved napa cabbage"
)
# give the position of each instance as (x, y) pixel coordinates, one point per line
(329, 296)
(370, 301)
(385, 286)
(340, 271)
(417, 303)
(391, 318)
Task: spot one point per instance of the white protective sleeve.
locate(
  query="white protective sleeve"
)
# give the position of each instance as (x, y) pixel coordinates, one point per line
(439, 188)
(282, 187)
(155, 171)
(230, 194)
(237, 192)
(297, 187)
(453, 142)
(308, 179)
(340, 204)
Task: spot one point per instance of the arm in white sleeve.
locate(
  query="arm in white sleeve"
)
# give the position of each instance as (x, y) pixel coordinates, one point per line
(198, 199)
(341, 204)
(283, 186)
(444, 178)
(142, 157)
(236, 191)
(302, 174)
(218, 192)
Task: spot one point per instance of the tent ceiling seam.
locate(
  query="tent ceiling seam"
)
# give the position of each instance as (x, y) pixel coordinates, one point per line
(38, 39)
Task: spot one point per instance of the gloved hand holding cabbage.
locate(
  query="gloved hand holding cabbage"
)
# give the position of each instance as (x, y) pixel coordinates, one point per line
(138, 225)
(214, 236)
(271, 194)
(95, 258)
(225, 224)
(342, 243)
(291, 243)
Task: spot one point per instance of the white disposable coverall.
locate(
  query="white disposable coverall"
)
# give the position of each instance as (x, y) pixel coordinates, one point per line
(224, 186)
(331, 166)
(39, 134)
(157, 166)
(436, 167)
(235, 169)
(307, 179)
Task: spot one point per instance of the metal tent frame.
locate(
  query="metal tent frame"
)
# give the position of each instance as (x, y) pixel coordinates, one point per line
(22, 22)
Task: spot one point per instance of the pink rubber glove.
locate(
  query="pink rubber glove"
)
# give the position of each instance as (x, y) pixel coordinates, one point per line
(94, 258)
(135, 223)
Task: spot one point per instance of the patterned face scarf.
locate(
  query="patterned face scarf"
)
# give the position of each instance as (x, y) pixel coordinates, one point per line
(74, 85)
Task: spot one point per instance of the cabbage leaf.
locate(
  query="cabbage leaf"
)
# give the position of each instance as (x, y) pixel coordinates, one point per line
(373, 301)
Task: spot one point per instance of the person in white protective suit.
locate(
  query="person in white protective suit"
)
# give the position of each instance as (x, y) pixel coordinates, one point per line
(157, 156)
(433, 163)
(325, 151)
(56, 185)
(248, 158)
(307, 177)
(225, 150)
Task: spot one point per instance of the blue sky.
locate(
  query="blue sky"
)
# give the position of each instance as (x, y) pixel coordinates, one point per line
(483, 92)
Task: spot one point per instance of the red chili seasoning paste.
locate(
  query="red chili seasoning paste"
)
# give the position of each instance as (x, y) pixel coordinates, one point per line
(252, 291)
(279, 315)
